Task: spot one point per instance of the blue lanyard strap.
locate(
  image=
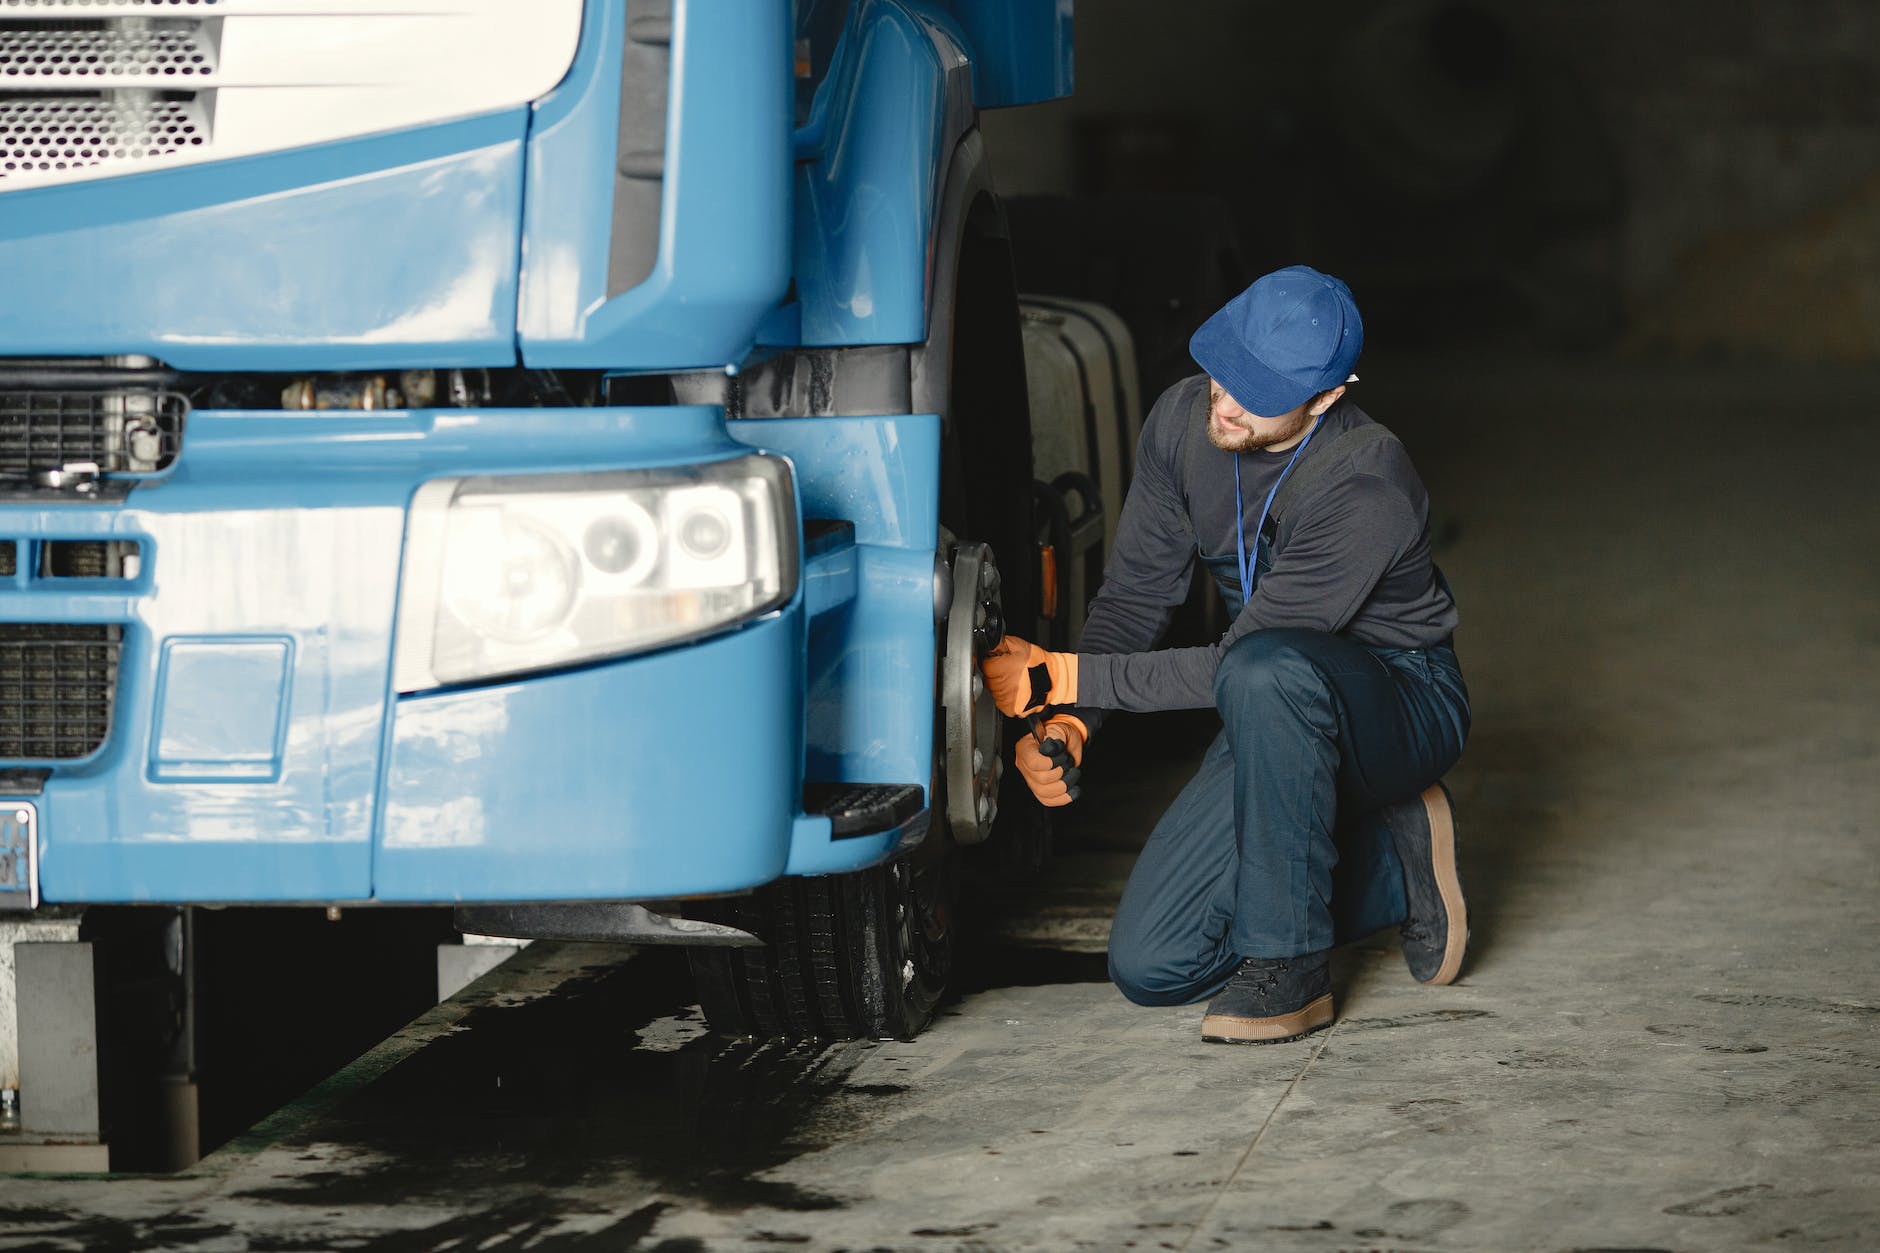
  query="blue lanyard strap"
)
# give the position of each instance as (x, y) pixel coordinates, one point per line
(1240, 514)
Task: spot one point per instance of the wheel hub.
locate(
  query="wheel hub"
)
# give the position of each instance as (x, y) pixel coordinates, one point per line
(974, 765)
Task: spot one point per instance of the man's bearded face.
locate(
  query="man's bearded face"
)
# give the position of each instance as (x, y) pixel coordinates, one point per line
(1233, 429)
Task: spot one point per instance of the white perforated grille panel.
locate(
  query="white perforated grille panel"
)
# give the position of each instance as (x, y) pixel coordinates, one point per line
(152, 5)
(60, 133)
(90, 88)
(51, 51)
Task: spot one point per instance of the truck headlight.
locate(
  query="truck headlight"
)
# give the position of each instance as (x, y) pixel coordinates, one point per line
(511, 574)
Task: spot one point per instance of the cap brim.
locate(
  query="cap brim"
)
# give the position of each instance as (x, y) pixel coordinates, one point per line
(1258, 390)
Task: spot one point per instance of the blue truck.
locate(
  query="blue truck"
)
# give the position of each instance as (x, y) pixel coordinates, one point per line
(559, 461)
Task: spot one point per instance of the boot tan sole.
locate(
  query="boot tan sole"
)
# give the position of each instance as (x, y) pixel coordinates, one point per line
(1222, 1029)
(1448, 882)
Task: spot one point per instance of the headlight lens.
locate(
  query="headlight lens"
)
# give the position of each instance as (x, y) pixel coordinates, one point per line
(508, 575)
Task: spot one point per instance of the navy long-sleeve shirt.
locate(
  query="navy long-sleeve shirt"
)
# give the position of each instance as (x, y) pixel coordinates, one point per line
(1350, 556)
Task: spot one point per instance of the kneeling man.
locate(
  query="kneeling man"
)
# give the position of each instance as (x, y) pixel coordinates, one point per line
(1317, 814)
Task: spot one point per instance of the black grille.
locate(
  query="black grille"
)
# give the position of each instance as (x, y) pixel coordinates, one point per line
(9, 558)
(120, 432)
(57, 686)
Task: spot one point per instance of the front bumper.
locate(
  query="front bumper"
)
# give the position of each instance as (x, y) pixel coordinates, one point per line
(259, 754)
(672, 773)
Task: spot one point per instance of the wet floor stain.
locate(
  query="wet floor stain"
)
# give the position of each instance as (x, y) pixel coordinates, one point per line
(1533, 1059)
(1840, 1057)
(1805, 1004)
(1426, 1018)
(521, 1226)
(46, 1230)
(1423, 1218)
(1436, 1115)
(1722, 1203)
(557, 1096)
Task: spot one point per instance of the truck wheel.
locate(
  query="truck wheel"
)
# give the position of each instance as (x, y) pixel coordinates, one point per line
(868, 954)
(845, 956)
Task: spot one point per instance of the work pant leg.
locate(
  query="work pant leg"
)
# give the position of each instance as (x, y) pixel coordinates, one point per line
(1169, 944)
(1317, 724)
(1247, 862)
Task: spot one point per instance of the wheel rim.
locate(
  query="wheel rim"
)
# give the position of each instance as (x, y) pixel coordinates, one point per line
(971, 723)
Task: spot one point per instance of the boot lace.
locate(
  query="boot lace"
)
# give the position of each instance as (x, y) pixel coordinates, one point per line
(1263, 972)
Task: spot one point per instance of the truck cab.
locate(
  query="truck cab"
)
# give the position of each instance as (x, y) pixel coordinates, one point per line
(553, 461)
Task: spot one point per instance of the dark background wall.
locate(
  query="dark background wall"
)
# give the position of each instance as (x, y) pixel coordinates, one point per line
(1669, 178)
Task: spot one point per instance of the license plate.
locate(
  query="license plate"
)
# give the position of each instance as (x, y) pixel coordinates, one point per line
(19, 849)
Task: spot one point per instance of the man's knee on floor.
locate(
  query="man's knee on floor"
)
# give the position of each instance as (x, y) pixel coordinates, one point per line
(1267, 663)
(1147, 981)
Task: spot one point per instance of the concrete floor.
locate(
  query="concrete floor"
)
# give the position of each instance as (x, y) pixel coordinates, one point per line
(1665, 1038)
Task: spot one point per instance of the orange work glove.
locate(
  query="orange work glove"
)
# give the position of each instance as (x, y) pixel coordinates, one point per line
(1025, 678)
(1049, 760)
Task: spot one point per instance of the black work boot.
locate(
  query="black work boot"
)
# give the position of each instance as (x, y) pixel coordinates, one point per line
(1436, 921)
(1272, 999)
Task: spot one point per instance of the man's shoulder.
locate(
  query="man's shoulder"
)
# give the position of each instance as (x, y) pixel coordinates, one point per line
(1175, 409)
(1368, 445)
(1171, 424)
(1363, 458)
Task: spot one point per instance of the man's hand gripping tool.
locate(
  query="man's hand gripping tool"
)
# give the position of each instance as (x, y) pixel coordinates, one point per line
(986, 637)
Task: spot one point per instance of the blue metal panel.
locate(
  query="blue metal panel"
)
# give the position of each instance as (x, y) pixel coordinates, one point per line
(882, 474)
(667, 774)
(870, 714)
(221, 708)
(866, 195)
(130, 825)
(1021, 49)
(361, 254)
(871, 711)
(829, 581)
(725, 220)
(281, 527)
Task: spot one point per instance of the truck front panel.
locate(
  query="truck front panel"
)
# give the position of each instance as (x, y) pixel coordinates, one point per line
(233, 708)
(663, 775)
(701, 160)
(869, 713)
(354, 255)
(254, 744)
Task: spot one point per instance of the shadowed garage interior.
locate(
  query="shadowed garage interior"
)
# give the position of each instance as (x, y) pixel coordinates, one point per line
(1620, 270)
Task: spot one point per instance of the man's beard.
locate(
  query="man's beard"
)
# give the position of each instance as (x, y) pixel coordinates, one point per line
(1243, 440)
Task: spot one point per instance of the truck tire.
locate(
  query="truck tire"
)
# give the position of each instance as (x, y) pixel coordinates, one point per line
(845, 956)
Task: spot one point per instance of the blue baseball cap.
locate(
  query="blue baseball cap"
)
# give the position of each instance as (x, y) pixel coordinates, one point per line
(1290, 336)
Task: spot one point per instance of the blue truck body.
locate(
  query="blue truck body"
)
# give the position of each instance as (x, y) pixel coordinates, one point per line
(260, 745)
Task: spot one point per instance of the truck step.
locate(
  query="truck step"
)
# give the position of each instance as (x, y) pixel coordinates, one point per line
(862, 808)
